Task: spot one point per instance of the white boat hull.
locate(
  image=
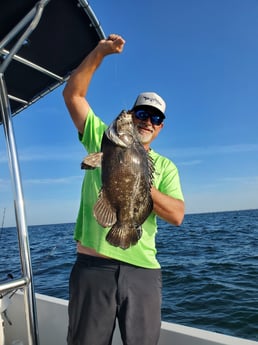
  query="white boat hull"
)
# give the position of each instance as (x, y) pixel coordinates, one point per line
(52, 320)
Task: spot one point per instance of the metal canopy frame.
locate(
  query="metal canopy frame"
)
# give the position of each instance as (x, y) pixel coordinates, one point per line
(41, 42)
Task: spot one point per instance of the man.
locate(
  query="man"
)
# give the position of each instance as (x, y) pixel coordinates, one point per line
(107, 282)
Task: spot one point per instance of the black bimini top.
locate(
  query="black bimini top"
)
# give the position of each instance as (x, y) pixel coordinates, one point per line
(66, 32)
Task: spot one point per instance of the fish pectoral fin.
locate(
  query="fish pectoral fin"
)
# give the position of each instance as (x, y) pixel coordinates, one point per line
(92, 161)
(103, 212)
(123, 236)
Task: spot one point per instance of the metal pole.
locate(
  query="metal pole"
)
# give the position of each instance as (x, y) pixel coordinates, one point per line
(29, 296)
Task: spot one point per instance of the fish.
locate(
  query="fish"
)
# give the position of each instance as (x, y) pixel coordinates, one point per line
(124, 201)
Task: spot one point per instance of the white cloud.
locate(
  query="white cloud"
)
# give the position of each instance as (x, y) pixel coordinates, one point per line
(249, 180)
(58, 153)
(51, 153)
(53, 181)
(221, 201)
(190, 163)
(210, 150)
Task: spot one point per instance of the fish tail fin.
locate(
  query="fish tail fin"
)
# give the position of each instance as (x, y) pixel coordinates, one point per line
(123, 236)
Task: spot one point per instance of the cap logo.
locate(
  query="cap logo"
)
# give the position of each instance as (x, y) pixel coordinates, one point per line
(154, 100)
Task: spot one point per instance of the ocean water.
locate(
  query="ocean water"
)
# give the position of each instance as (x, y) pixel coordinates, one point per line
(210, 268)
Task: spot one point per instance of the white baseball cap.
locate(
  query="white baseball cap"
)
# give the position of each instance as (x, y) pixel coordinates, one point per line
(150, 99)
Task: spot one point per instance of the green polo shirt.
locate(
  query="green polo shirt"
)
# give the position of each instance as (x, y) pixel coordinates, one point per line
(90, 233)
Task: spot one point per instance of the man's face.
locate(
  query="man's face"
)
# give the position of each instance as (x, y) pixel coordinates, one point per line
(148, 126)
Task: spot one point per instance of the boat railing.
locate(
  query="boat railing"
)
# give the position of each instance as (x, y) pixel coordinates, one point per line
(21, 50)
(29, 22)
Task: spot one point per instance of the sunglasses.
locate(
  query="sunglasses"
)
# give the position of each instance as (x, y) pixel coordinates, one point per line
(144, 115)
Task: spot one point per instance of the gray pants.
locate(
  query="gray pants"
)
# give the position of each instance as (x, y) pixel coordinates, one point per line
(102, 290)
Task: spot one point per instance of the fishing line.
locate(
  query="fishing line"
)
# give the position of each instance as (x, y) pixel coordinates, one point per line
(117, 82)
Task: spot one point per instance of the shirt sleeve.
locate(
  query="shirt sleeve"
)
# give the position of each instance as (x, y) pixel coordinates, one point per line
(93, 132)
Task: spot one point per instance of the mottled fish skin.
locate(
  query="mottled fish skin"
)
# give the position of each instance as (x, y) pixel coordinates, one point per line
(124, 201)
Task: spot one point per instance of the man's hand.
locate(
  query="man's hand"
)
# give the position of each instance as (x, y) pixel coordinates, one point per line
(113, 44)
(167, 208)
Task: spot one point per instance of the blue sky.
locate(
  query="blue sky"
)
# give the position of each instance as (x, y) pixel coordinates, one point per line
(202, 57)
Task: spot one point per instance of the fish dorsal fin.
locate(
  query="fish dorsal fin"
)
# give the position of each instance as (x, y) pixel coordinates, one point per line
(151, 169)
(103, 211)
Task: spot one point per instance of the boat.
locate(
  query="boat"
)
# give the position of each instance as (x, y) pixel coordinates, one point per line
(53, 320)
(36, 45)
